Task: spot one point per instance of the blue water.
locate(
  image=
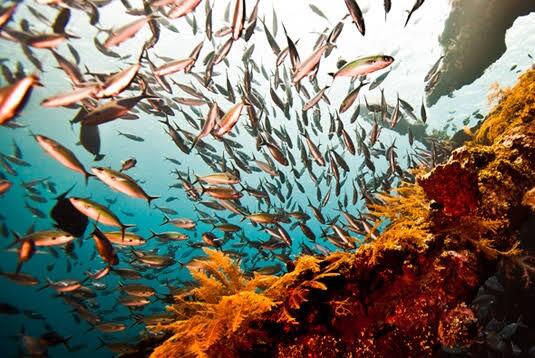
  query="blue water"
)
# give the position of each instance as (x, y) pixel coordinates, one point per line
(415, 49)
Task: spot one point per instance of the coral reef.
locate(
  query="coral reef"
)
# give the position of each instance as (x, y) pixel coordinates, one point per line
(452, 239)
(473, 39)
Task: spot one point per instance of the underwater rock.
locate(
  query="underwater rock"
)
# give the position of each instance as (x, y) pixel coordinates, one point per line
(453, 187)
(458, 327)
(473, 39)
(407, 292)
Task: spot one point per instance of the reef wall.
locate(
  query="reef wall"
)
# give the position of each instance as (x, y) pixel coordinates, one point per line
(451, 274)
(473, 39)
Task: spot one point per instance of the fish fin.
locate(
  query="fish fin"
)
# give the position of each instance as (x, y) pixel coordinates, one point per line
(87, 176)
(124, 227)
(165, 220)
(99, 157)
(16, 240)
(91, 327)
(19, 266)
(150, 198)
(102, 343)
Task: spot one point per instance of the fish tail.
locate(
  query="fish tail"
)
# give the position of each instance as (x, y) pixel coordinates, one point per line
(102, 343)
(91, 327)
(165, 220)
(150, 198)
(16, 239)
(99, 157)
(166, 121)
(193, 144)
(153, 234)
(19, 266)
(124, 227)
(87, 176)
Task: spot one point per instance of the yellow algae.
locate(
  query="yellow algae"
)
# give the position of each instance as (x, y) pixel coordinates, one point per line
(517, 106)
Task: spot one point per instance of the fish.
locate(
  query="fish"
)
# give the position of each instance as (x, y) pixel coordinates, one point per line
(128, 164)
(112, 110)
(6, 14)
(314, 100)
(99, 213)
(416, 6)
(180, 8)
(351, 97)
(131, 136)
(317, 11)
(309, 64)
(125, 32)
(356, 15)
(118, 82)
(224, 178)
(238, 19)
(364, 66)
(14, 97)
(387, 6)
(45, 238)
(423, 113)
(121, 182)
(90, 140)
(230, 119)
(62, 155)
(5, 185)
(104, 248)
(174, 66)
(378, 81)
(69, 98)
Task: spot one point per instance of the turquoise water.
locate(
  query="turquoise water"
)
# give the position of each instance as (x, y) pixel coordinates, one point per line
(414, 48)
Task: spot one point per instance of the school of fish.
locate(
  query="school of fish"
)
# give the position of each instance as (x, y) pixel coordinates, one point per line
(212, 119)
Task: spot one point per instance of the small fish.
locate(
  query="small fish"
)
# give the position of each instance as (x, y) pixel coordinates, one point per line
(415, 7)
(125, 32)
(13, 97)
(131, 136)
(122, 183)
(62, 155)
(238, 19)
(356, 15)
(129, 239)
(423, 113)
(317, 11)
(6, 14)
(128, 164)
(174, 66)
(351, 97)
(5, 185)
(314, 100)
(224, 178)
(98, 213)
(364, 66)
(179, 8)
(309, 64)
(230, 119)
(46, 238)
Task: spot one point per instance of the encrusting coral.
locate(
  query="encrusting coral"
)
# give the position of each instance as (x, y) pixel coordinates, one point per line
(406, 293)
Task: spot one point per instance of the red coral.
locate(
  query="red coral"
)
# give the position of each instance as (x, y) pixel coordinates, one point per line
(453, 187)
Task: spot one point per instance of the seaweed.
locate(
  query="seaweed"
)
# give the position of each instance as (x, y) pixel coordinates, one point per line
(516, 106)
(223, 301)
